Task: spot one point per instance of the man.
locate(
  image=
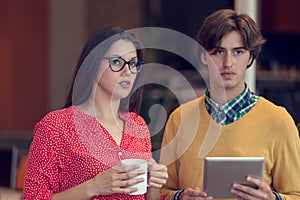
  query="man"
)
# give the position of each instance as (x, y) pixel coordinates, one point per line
(229, 120)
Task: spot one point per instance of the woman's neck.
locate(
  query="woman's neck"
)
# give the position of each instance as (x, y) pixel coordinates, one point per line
(107, 109)
(101, 109)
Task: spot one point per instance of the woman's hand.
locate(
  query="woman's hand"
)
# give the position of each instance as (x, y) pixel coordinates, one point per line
(263, 192)
(157, 177)
(194, 194)
(157, 174)
(115, 180)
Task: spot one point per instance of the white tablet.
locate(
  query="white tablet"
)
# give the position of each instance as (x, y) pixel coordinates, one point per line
(221, 172)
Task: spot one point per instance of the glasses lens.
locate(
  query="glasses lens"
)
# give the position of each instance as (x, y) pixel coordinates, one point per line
(116, 64)
(136, 65)
(133, 65)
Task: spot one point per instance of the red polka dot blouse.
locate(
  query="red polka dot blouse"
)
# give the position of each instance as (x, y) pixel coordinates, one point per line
(70, 147)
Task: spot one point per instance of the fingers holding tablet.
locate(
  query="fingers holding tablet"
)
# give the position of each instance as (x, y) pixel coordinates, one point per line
(220, 173)
(262, 191)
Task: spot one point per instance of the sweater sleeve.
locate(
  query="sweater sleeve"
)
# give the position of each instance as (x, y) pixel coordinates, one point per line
(41, 179)
(168, 153)
(179, 135)
(286, 172)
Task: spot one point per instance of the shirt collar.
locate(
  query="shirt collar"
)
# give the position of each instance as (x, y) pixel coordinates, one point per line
(224, 112)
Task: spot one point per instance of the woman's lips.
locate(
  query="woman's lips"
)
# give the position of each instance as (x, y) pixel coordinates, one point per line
(125, 84)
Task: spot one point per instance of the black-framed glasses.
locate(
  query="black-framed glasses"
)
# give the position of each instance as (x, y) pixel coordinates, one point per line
(117, 63)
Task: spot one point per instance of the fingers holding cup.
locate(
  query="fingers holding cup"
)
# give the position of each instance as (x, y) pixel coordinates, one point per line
(137, 176)
(157, 174)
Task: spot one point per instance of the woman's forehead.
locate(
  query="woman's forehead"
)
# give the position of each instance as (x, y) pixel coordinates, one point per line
(121, 47)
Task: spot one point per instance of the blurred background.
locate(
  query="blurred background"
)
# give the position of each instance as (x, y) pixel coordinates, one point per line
(40, 42)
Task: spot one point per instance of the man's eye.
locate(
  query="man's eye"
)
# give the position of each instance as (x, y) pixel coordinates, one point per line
(239, 51)
(216, 51)
(219, 51)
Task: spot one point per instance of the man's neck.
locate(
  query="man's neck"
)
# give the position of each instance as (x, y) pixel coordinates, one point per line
(223, 95)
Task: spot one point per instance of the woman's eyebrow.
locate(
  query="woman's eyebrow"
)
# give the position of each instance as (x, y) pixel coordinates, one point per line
(114, 56)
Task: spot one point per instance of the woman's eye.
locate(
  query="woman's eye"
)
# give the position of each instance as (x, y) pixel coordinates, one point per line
(132, 63)
(115, 62)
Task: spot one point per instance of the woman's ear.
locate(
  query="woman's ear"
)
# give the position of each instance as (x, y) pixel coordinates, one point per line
(203, 58)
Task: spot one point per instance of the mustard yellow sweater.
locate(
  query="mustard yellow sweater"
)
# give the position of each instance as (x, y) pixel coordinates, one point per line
(266, 130)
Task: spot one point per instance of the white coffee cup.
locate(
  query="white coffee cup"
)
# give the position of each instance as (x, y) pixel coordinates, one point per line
(142, 186)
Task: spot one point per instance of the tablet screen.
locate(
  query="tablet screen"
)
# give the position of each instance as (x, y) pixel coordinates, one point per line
(221, 172)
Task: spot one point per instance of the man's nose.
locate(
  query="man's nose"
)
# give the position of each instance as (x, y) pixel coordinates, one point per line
(228, 60)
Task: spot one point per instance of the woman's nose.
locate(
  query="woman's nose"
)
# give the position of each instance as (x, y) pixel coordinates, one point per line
(126, 69)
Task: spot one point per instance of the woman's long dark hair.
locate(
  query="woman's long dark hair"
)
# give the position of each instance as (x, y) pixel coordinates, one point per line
(87, 68)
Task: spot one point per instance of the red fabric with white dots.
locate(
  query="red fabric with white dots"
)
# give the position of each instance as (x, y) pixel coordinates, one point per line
(70, 147)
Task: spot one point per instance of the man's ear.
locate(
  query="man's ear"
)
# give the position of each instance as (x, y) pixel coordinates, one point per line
(203, 58)
(251, 59)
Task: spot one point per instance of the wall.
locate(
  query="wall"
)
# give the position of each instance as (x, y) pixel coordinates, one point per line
(67, 33)
(280, 16)
(23, 63)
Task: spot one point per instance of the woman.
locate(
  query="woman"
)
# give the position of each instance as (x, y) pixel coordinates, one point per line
(76, 151)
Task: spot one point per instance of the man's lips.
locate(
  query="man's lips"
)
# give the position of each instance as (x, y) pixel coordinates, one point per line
(227, 74)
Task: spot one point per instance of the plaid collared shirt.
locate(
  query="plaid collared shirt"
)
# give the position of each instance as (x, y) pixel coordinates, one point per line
(233, 110)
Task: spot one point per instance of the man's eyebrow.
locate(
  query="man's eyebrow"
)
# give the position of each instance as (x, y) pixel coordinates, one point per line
(241, 47)
(219, 47)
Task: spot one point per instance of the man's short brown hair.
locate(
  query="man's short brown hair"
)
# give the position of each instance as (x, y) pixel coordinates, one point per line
(222, 22)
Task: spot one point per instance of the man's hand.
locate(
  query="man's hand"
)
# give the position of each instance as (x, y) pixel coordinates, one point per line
(263, 192)
(194, 194)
